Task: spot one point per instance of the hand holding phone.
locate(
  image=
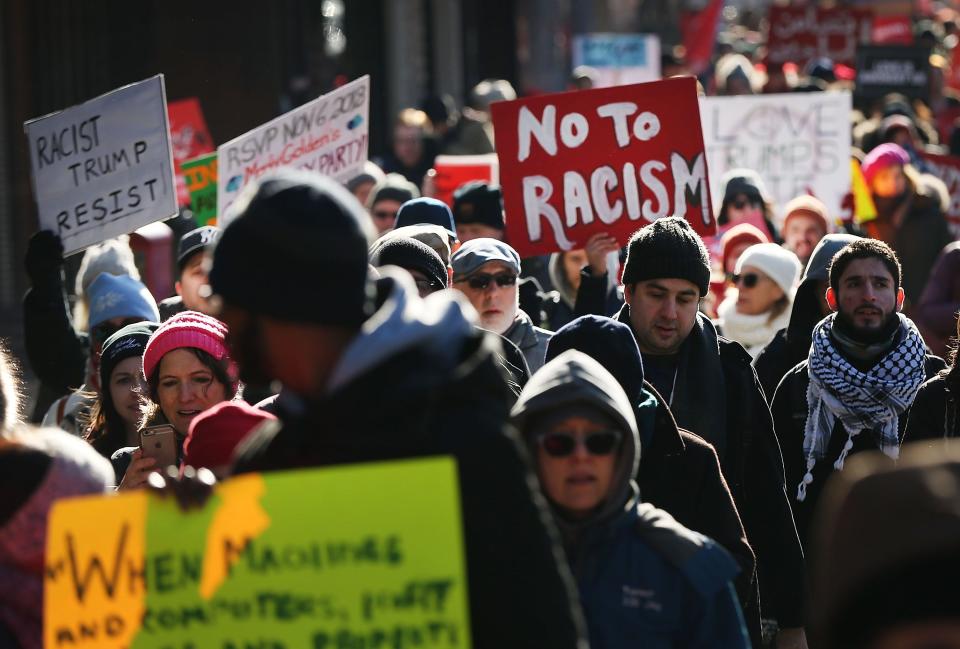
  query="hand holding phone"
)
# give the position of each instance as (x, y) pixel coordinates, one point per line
(160, 443)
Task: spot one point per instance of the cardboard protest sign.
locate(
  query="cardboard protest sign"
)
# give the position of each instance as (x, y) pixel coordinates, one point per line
(318, 558)
(885, 69)
(189, 137)
(947, 169)
(103, 168)
(798, 143)
(801, 33)
(455, 170)
(603, 160)
(327, 135)
(619, 59)
(200, 175)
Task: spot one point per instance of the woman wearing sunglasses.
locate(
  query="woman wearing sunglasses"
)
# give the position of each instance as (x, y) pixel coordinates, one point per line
(759, 304)
(644, 579)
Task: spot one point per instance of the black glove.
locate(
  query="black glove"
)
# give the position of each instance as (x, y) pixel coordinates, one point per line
(44, 257)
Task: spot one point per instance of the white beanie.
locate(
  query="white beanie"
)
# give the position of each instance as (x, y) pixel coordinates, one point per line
(782, 266)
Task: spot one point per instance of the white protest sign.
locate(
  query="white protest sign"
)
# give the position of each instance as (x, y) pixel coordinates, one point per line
(798, 143)
(619, 59)
(105, 167)
(327, 135)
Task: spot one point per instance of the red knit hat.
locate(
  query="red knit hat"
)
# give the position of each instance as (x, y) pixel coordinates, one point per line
(738, 234)
(809, 205)
(215, 433)
(187, 329)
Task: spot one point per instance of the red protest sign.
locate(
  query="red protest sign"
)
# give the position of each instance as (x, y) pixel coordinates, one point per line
(455, 170)
(798, 34)
(947, 169)
(189, 138)
(603, 160)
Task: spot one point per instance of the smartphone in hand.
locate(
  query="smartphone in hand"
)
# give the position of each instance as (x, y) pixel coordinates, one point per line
(160, 443)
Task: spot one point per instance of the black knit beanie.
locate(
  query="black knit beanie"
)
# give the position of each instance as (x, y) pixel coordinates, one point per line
(296, 249)
(411, 254)
(478, 202)
(667, 248)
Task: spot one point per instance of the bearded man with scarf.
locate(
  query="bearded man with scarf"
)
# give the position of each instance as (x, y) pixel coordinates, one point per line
(854, 391)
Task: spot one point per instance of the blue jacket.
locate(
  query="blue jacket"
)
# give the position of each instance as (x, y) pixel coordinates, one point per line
(645, 581)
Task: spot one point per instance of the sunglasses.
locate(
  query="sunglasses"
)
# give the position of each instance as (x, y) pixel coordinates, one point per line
(561, 444)
(743, 203)
(749, 280)
(481, 281)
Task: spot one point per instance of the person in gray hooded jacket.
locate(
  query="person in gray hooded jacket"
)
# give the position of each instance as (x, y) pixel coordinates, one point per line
(644, 579)
(792, 344)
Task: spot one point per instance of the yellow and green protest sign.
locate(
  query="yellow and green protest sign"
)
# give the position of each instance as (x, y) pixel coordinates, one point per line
(357, 556)
(201, 176)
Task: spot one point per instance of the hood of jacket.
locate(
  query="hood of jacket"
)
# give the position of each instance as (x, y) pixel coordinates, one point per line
(404, 320)
(575, 378)
(559, 279)
(806, 305)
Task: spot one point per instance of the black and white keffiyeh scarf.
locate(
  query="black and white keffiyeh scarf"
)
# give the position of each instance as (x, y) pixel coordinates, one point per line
(862, 401)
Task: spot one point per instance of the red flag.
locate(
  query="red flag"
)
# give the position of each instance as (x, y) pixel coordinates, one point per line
(700, 34)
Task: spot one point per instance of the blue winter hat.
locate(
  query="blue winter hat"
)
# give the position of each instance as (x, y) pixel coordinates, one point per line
(120, 296)
(426, 210)
(476, 252)
(608, 342)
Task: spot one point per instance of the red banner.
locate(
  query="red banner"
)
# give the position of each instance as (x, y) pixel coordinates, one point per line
(455, 170)
(603, 160)
(799, 34)
(189, 138)
(947, 169)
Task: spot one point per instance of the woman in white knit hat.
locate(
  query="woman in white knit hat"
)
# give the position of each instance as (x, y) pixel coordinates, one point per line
(760, 303)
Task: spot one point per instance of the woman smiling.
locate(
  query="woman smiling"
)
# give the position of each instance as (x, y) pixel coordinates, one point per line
(188, 370)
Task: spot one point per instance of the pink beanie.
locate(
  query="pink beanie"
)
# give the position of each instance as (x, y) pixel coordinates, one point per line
(883, 156)
(187, 329)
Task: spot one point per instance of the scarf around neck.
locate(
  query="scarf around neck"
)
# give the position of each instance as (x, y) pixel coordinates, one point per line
(754, 332)
(871, 400)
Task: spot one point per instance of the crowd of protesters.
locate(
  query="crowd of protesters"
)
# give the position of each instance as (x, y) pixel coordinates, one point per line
(654, 438)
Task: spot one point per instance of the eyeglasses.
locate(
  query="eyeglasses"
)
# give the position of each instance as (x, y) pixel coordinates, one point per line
(562, 444)
(749, 280)
(743, 203)
(481, 281)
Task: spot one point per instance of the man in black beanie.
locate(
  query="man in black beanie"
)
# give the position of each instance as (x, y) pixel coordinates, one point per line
(478, 211)
(713, 391)
(369, 374)
(418, 259)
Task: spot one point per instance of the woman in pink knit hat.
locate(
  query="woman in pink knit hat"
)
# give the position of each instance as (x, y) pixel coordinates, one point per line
(188, 370)
(910, 213)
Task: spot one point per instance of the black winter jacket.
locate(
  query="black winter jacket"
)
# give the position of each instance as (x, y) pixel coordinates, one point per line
(935, 414)
(442, 397)
(718, 397)
(680, 473)
(790, 411)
